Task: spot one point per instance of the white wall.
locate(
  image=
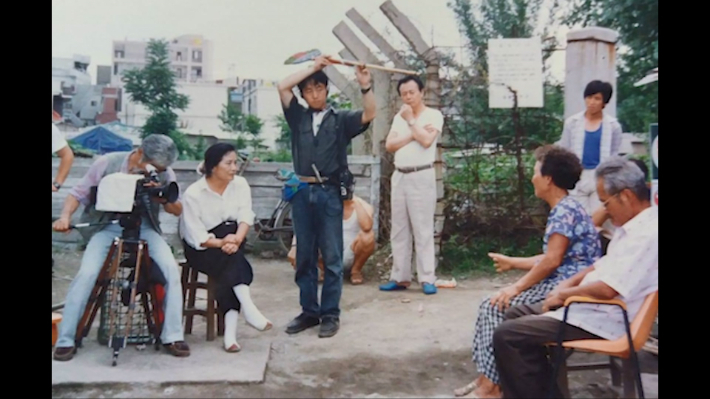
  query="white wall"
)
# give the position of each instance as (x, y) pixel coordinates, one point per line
(206, 102)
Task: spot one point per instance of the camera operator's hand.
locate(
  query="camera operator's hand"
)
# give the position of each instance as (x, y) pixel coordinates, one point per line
(61, 225)
(230, 248)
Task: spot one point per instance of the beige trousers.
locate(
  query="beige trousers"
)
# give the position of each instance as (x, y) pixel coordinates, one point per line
(413, 202)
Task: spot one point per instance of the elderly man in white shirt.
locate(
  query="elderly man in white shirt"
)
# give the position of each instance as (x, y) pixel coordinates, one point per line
(412, 139)
(216, 217)
(628, 272)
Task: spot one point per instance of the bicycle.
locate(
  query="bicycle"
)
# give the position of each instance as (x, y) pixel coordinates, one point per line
(279, 226)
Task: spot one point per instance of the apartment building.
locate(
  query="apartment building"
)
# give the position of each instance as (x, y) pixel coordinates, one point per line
(190, 58)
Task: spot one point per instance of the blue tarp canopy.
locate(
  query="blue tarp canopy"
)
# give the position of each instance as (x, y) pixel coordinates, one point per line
(103, 141)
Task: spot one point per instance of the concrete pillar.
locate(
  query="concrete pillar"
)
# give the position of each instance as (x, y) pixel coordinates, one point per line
(591, 54)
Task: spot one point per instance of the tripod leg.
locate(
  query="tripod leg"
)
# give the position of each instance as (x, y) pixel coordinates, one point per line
(131, 304)
(116, 343)
(96, 299)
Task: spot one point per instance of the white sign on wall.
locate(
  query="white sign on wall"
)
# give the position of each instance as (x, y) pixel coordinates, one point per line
(515, 63)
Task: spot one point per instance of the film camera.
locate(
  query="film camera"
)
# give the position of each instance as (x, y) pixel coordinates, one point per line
(130, 195)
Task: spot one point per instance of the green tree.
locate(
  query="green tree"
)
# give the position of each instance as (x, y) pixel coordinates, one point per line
(637, 24)
(339, 101)
(233, 121)
(253, 125)
(154, 86)
(200, 147)
(284, 140)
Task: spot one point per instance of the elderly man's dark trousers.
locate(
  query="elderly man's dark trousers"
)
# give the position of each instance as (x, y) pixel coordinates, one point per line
(520, 352)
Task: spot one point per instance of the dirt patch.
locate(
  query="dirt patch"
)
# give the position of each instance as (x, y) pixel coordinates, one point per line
(402, 344)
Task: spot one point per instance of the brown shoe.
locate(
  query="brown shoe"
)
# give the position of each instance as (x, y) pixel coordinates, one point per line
(64, 354)
(178, 348)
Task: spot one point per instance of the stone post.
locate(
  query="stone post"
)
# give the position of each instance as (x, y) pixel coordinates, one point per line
(591, 54)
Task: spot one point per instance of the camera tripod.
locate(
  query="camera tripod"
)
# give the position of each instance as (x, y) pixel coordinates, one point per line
(127, 251)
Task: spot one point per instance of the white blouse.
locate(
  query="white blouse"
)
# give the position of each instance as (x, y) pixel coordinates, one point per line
(204, 209)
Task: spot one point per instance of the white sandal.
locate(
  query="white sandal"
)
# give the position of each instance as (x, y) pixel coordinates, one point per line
(466, 389)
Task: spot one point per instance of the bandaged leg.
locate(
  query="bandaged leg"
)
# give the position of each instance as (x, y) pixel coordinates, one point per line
(252, 315)
(230, 330)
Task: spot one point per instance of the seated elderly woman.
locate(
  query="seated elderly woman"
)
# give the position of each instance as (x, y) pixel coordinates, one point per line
(216, 217)
(570, 244)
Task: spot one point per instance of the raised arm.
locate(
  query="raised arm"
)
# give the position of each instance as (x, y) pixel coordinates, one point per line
(286, 86)
(368, 98)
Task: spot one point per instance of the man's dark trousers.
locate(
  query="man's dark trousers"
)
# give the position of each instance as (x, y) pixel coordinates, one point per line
(317, 213)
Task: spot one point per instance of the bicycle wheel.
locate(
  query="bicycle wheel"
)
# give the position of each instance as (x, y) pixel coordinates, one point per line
(284, 228)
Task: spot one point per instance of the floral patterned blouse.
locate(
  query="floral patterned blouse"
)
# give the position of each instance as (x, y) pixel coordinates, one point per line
(569, 219)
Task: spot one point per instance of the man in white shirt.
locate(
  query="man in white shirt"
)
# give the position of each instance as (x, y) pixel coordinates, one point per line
(66, 155)
(412, 139)
(628, 272)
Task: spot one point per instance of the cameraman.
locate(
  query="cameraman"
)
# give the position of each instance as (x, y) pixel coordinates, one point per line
(159, 151)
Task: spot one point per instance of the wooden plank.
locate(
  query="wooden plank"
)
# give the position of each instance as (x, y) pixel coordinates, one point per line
(376, 38)
(406, 28)
(349, 88)
(361, 52)
(346, 54)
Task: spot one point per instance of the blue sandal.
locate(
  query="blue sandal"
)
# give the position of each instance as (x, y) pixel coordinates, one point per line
(392, 286)
(428, 288)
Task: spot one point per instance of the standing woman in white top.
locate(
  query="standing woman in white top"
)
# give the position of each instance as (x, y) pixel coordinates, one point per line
(216, 217)
(412, 139)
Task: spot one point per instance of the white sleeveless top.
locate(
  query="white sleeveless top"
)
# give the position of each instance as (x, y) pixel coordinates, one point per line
(351, 228)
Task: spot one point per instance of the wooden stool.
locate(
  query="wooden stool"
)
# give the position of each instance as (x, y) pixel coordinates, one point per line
(56, 319)
(190, 285)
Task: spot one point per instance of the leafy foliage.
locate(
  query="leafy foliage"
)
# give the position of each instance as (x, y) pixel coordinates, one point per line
(246, 127)
(154, 87)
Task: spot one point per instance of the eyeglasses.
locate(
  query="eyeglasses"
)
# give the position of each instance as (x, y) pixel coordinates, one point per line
(609, 199)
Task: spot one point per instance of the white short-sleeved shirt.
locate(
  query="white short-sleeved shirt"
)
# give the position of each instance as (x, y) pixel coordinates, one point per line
(204, 209)
(630, 267)
(58, 141)
(414, 154)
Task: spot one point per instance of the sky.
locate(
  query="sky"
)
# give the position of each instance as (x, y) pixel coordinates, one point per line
(251, 38)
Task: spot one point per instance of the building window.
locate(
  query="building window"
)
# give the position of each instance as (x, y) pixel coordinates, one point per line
(115, 68)
(196, 72)
(197, 55)
(93, 103)
(118, 54)
(179, 56)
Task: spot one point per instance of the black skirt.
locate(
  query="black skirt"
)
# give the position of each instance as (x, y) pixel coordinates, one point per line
(227, 270)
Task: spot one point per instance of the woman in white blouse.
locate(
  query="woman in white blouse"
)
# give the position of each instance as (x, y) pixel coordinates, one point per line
(215, 220)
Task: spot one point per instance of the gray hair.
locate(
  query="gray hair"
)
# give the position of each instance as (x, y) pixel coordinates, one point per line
(620, 174)
(159, 149)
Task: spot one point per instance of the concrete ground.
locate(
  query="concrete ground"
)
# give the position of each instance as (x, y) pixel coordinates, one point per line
(402, 344)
